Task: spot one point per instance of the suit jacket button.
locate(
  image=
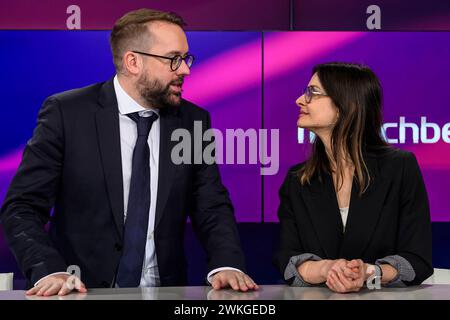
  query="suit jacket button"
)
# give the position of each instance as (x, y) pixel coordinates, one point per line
(118, 247)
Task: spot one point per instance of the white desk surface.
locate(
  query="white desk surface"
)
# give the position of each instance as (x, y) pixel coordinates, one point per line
(266, 292)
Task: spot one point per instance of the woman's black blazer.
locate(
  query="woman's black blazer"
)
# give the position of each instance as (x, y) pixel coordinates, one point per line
(391, 218)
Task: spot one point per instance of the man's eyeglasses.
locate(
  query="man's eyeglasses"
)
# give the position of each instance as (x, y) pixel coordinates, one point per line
(175, 61)
(309, 92)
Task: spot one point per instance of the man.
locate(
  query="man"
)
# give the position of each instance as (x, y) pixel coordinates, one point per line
(101, 157)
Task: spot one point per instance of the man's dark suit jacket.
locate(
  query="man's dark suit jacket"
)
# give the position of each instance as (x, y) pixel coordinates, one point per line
(391, 218)
(73, 164)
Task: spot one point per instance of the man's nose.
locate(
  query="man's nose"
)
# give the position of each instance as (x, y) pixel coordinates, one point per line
(183, 70)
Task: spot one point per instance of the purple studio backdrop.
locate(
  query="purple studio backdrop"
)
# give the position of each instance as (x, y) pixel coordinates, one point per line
(249, 81)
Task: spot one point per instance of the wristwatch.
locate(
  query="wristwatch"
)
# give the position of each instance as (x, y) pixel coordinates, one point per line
(374, 273)
(375, 269)
(378, 271)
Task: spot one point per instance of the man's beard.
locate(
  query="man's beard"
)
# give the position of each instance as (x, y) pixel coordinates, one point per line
(158, 95)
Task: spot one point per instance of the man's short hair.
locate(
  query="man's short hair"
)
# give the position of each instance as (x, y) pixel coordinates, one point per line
(131, 29)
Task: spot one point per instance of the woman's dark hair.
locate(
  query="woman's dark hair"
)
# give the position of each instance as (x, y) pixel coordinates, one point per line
(356, 92)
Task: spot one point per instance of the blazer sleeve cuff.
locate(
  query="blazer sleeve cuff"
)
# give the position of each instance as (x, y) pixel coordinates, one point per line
(291, 269)
(405, 271)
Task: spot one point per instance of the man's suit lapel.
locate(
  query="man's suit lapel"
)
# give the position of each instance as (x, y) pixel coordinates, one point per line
(169, 121)
(108, 132)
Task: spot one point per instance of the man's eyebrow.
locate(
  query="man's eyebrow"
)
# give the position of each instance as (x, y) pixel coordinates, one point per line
(175, 53)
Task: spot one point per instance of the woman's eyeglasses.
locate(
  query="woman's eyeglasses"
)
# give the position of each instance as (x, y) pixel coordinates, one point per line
(310, 91)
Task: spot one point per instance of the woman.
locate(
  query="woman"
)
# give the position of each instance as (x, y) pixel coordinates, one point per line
(357, 208)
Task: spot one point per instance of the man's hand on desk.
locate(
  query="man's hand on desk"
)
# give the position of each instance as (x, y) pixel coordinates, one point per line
(235, 279)
(61, 284)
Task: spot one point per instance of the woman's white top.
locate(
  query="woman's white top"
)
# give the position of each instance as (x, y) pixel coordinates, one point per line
(344, 215)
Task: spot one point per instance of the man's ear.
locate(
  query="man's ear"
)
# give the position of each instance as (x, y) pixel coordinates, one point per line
(132, 63)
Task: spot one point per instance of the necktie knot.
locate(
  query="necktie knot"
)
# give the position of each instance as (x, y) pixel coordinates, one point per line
(144, 124)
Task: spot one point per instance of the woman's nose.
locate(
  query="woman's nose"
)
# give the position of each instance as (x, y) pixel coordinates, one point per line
(301, 101)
